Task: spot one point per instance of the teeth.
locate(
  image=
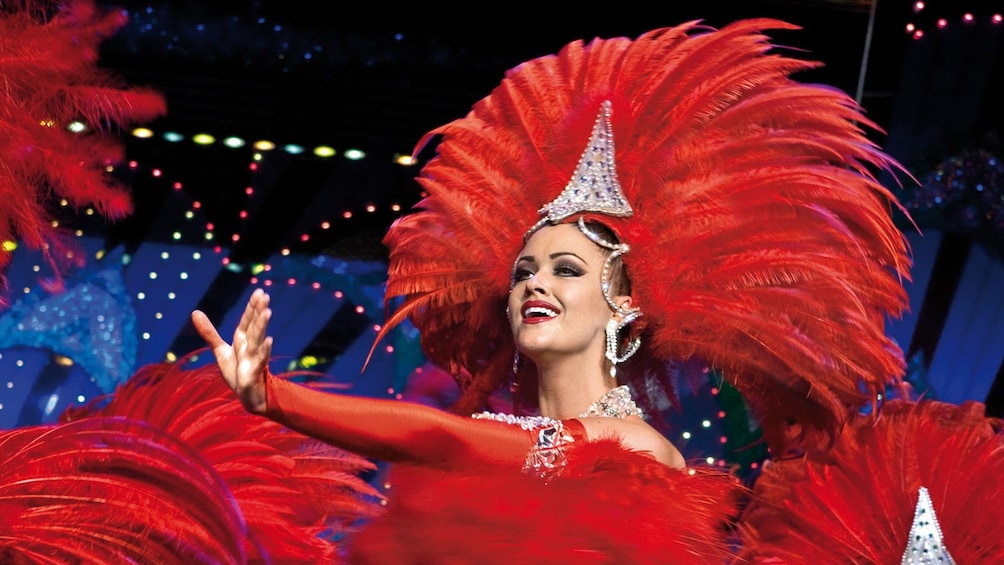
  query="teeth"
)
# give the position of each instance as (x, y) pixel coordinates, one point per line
(539, 311)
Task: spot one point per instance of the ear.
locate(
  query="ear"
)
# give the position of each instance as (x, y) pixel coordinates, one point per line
(624, 301)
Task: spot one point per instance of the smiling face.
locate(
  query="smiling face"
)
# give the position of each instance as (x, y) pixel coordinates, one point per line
(556, 306)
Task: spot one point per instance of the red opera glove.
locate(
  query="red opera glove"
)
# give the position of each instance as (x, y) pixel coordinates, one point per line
(404, 432)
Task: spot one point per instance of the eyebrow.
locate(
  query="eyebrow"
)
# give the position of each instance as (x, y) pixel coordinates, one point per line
(552, 256)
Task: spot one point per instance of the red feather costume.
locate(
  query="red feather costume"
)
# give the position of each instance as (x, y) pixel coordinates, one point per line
(48, 61)
(172, 469)
(855, 503)
(762, 241)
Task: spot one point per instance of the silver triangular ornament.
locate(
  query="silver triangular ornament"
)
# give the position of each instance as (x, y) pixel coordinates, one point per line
(926, 545)
(594, 186)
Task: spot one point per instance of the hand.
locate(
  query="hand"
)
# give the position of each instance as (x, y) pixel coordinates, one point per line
(244, 362)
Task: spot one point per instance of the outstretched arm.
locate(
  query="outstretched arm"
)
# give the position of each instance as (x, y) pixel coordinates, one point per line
(388, 430)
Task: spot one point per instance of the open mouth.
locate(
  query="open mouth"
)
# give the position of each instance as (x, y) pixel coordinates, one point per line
(538, 311)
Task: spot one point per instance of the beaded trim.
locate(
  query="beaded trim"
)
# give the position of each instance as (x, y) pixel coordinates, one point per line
(547, 456)
(616, 403)
(926, 545)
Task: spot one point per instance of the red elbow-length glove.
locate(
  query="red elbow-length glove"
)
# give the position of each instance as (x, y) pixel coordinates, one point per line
(400, 432)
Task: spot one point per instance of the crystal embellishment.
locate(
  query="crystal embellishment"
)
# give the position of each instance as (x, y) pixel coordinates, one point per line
(616, 403)
(594, 186)
(925, 545)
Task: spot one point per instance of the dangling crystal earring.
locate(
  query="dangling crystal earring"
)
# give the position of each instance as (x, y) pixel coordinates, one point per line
(515, 362)
(613, 331)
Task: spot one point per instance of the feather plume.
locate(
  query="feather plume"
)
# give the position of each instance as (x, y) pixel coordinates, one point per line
(610, 505)
(48, 60)
(762, 241)
(290, 489)
(112, 490)
(855, 503)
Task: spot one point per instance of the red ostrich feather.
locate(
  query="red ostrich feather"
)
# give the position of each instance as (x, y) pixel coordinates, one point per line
(48, 61)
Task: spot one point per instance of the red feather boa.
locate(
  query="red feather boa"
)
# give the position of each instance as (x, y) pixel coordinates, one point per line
(855, 503)
(610, 505)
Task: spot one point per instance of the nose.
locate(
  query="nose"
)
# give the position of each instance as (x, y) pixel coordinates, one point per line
(536, 284)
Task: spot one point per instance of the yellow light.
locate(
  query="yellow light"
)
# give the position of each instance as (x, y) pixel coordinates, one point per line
(264, 145)
(324, 151)
(203, 139)
(9, 245)
(308, 361)
(142, 133)
(404, 160)
(171, 357)
(62, 360)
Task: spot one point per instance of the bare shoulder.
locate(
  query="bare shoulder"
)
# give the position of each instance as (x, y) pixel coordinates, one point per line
(635, 434)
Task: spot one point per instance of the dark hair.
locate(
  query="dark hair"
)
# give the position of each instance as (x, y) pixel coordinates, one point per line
(619, 280)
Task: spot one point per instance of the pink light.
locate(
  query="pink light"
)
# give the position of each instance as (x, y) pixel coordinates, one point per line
(325, 225)
(918, 6)
(360, 309)
(390, 349)
(376, 327)
(338, 294)
(714, 390)
(304, 237)
(217, 250)
(243, 214)
(347, 214)
(721, 413)
(723, 439)
(315, 285)
(177, 186)
(225, 260)
(968, 18)
(235, 238)
(291, 281)
(209, 226)
(133, 164)
(268, 267)
(370, 208)
(918, 34)
(268, 282)
(942, 23)
(249, 191)
(997, 18)
(196, 204)
(254, 280)
(253, 166)
(156, 172)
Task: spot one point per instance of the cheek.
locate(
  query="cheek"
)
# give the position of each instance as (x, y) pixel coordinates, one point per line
(512, 310)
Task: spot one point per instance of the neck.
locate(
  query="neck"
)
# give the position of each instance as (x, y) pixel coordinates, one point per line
(568, 387)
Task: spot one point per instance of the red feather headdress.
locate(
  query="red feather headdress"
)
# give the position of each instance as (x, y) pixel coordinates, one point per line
(856, 503)
(48, 62)
(761, 241)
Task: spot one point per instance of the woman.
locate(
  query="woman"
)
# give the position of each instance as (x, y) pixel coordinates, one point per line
(746, 210)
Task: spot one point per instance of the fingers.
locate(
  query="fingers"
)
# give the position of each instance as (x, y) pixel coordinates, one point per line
(257, 303)
(206, 329)
(255, 332)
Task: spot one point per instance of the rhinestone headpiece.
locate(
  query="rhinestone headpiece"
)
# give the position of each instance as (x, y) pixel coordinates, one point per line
(926, 546)
(594, 186)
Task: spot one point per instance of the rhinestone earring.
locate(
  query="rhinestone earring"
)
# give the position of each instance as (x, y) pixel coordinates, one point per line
(613, 337)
